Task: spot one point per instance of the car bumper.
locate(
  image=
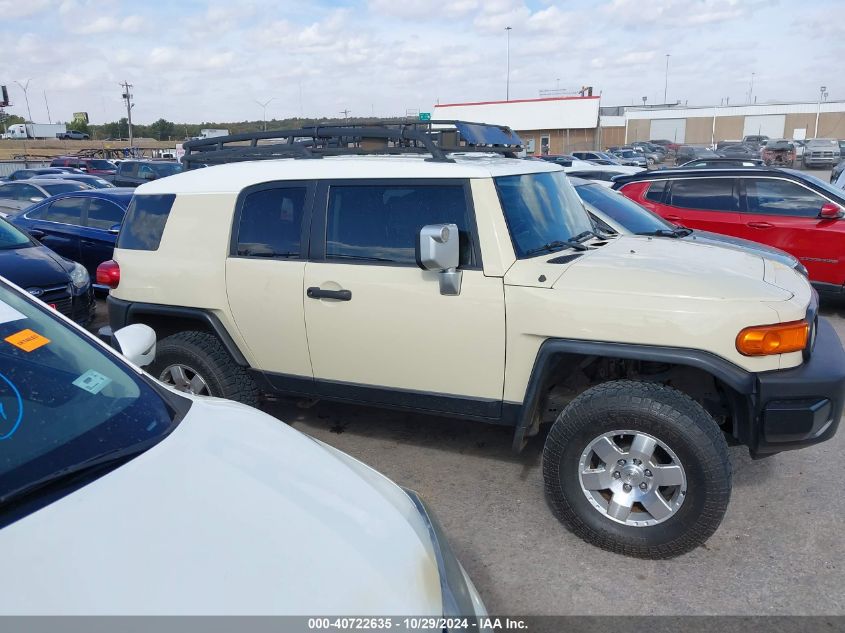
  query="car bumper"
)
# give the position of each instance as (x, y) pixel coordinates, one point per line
(801, 406)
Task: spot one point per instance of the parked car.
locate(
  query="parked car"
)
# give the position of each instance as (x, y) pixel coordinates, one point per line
(642, 353)
(755, 140)
(738, 151)
(96, 166)
(599, 158)
(60, 283)
(630, 157)
(131, 173)
(837, 171)
(600, 174)
(778, 152)
(74, 135)
(103, 464)
(35, 172)
(559, 159)
(18, 195)
(81, 226)
(687, 153)
(720, 145)
(95, 182)
(821, 152)
(722, 163)
(784, 208)
(670, 146)
(614, 213)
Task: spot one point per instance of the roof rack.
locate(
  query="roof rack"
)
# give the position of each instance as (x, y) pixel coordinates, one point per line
(435, 138)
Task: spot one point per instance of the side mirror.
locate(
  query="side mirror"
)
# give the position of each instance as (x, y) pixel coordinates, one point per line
(438, 250)
(137, 342)
(830, 211)
(114, 229)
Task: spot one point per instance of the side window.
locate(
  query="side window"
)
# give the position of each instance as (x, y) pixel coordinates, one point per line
(145, 220)
(103, 214)
(128, 168)
(270, 222)
(25, 193)
(711, 194)
(66, 210)
(771, 196)
(381, 222)
(656, 190)
(145, 170)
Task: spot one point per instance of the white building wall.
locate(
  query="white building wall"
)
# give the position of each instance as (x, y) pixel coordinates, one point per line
(745, 110)
(555, 113)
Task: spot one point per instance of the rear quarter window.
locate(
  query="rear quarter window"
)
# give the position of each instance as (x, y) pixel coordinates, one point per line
(144, 223)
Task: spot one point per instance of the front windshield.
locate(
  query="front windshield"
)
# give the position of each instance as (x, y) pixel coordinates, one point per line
(10, 237)
(63, 400)
(623, 210)
(64, 187)
(541, 209)
(166, 169)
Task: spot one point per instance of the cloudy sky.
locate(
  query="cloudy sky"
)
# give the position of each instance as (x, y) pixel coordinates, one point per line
(197, 61)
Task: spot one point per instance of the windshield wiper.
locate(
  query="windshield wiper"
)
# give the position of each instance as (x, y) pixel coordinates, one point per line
(558, 245)
(111, 458)
(585, 235)
(678, 232)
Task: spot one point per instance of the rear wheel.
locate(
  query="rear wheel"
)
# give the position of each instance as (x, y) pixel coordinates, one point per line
(637, 468)
(198, 363)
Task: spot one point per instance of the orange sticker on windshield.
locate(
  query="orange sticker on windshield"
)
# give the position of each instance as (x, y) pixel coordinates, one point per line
(27, 340)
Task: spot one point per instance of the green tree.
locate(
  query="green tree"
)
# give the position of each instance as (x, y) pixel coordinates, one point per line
(162, 129)
(10, 119)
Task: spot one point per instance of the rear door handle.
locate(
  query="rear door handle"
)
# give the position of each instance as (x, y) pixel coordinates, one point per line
(760, 225)
(318, 293)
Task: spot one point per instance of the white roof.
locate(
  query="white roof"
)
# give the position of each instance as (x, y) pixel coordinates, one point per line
(233, 177)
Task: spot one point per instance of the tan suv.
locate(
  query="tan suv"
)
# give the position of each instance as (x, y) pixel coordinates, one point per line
(422, 268)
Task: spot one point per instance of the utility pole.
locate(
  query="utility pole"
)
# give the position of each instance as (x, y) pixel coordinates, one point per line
(346, 114)
(49, 120)
(25, 87)
(751, 89)
(666, 82)
(264, 108)
(508, 75)
(127, 96)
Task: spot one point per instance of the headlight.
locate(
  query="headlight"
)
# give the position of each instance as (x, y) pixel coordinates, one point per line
(79, 277)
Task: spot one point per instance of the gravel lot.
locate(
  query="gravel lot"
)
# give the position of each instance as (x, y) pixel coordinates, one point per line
(779, 550)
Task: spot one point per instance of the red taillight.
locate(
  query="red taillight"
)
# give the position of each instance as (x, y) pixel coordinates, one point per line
(108, 274)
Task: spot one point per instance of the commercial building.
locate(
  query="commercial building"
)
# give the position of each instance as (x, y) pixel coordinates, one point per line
(559, 125)
(551, 125)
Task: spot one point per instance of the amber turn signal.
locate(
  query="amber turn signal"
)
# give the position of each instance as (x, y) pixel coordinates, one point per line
(780, 338)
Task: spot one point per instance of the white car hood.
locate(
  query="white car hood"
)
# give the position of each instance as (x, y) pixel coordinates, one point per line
(672, 268)
(233, 513)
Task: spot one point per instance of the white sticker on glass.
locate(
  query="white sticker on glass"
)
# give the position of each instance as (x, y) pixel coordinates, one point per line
(8, 313)
(92, 381)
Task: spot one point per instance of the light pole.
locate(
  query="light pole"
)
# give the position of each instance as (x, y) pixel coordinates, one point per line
(264, 108)
(49, 120)
(25, 87)
(508, 76)
(822, 97)
(751, 88)
(666, 81)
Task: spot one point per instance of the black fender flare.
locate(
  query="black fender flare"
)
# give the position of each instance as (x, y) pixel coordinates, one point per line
(123, 313)
(740, 380)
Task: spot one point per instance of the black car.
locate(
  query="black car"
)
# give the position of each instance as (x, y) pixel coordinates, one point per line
(131, 173)
(739, 151)
(687, 153)
(60, 283)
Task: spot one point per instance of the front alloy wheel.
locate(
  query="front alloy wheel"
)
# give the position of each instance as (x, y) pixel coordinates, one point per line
(184, 378)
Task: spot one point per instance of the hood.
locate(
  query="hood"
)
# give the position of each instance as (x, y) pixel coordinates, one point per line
(33, 266)
(233, 513)
(655, 267)
(737, 243)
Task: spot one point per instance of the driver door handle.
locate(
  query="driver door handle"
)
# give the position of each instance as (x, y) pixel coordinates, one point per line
(318, 293)
(760, 225)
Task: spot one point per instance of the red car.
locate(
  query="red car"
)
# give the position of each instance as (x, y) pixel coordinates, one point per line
(94, 166)
(790, 210)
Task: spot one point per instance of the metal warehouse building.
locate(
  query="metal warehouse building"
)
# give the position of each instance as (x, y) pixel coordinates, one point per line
(558, 125)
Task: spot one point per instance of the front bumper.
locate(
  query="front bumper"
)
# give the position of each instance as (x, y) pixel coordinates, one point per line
(801, 406)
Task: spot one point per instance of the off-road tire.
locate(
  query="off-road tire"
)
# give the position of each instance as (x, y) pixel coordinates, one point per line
(674, 419)
(206, 354)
